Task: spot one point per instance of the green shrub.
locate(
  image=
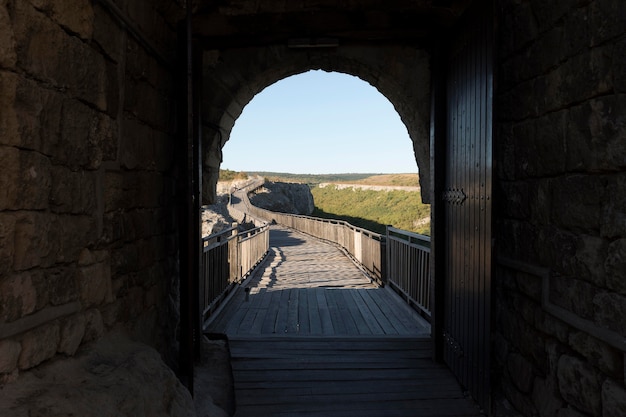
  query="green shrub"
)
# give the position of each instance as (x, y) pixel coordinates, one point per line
(373, 210)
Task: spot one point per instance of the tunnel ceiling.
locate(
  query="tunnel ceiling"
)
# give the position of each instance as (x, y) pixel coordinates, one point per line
(245, 23)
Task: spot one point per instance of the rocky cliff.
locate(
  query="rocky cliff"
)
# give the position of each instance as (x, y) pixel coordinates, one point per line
(284, 197)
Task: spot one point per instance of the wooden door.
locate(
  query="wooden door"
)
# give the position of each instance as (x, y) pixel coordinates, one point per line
(464, 197)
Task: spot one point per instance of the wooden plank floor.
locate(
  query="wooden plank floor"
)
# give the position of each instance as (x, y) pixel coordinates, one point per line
(308, 287)
(316, 338)
(343, 377)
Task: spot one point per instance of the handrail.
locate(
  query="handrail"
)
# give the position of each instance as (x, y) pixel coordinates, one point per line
(228, 258)
(408, 267)
(399, 258)
(367, 248)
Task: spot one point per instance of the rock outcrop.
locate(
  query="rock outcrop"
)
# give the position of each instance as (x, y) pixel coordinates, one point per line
(111, 378)
(284, 197)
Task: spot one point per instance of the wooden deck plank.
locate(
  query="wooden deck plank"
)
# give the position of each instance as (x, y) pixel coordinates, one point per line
(317, 338)
(322, 377)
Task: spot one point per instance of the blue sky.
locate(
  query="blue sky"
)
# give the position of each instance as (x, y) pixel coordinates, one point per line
(319, 123)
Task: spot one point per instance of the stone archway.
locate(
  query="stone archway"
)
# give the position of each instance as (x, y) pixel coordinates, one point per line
(231, 78)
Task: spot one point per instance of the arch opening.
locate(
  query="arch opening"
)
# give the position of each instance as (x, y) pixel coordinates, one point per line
(232, 78)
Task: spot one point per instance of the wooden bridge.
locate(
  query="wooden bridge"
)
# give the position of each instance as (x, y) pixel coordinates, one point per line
(310, 334)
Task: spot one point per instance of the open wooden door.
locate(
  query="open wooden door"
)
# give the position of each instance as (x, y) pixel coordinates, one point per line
(462, 146)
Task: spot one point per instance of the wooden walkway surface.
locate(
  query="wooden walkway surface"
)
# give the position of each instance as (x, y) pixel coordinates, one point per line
(315, 337)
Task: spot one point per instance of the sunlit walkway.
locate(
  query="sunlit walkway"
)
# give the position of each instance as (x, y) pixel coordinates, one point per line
(315, 337)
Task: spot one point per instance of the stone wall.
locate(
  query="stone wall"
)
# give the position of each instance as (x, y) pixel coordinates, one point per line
(87, 207)
(560, 150)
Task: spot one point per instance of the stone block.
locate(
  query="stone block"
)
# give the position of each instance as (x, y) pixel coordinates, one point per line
(108, 34)
(577, 202)
(94, 326)
(25, 183)
(521, 372)
(9, 354)
(7, 40)
(573, 295)
(72, 234)
(32, 244)
(39, 345)
(570, 412)
(615, 266)
(619, 62)
(88, 137)
(613, 399)
(607, 19)
(72, 333)
(610, 311)
(580, 384)
(95, 283)
(547, 14)
(18, 296)
(548, 324)
(72, 191)
(595, 135)
(614, 209)
(546, 397)
(56, 286)
(606, 358)
(45, 49)
(7, 242)
(75, 16)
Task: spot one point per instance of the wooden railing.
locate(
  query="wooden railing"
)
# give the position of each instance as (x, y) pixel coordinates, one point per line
(400, 258)
(364, 246)
(228, 257)
(408, 267)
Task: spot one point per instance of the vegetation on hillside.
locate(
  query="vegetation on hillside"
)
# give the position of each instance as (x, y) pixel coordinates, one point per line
(311, 179)
(228, 175)
(373, 210)
(396, 180)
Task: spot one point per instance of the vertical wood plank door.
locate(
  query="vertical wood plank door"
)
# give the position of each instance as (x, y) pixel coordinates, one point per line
(467, 200)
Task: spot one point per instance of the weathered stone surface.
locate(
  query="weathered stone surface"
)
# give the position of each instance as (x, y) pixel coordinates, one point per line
(614, 210)
(521, 372)
(39, 345)
(610, 311)
(580, 384)
(117, 378)
(56, 286)
(570, 412)
(608, 359)
(45, 51)
(613, 399)
(95, 283)
(73, 233)
(72, 191)
(76, 16)
(94, 326)
(574, 295)
(32, 245)
(616, 265)
(7, 41)
(214, 380)
(26, 179)
(18, 296)
(9, 354)
(72, 332)
(546, 397)
(284, 198)
(7, 242)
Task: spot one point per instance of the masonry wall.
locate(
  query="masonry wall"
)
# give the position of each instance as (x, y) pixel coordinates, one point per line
(87, 187)
(560, 146)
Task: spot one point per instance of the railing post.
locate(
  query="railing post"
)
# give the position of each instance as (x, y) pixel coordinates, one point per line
(237, 251)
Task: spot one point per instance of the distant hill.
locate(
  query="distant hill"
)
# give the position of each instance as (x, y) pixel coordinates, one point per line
(406, 180)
